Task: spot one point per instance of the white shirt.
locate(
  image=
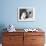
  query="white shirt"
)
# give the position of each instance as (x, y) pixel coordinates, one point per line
(23, 16)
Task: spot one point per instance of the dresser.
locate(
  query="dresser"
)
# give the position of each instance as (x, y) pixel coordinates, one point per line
(34, 39)
(23, 39)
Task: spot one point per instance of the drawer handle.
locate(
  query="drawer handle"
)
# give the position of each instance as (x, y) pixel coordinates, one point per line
(33, 39)
(11, 38)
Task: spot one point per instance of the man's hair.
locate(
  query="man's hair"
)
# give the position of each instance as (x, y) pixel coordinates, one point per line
(22, 11)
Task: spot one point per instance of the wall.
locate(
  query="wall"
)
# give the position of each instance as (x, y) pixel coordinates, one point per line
(8, 13)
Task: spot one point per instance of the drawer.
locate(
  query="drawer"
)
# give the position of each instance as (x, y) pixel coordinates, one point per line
(37, 44)
(12, 44)
(15, 42)
(34, 33)
(12, 39)
(27, 37)
(27, 41)
(37, 39)
(34, 39)
(13, 33)
(8, 45)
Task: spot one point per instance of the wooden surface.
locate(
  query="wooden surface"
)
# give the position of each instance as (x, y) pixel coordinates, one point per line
(34, 39)
(23, 39)
(13, 39)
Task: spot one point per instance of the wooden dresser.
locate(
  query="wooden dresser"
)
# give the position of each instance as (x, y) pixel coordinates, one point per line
(23, 39)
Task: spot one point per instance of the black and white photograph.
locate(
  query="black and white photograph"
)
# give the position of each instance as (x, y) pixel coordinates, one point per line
(26, 14)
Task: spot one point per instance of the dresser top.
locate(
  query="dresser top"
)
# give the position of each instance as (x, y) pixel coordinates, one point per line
(22, 30)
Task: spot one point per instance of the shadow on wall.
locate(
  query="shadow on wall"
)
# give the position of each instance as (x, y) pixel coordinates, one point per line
(2, 26)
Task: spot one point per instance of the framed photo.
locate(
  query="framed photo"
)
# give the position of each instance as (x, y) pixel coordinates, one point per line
(26, 14)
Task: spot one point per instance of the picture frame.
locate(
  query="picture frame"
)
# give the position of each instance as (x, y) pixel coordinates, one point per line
(26, 14)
